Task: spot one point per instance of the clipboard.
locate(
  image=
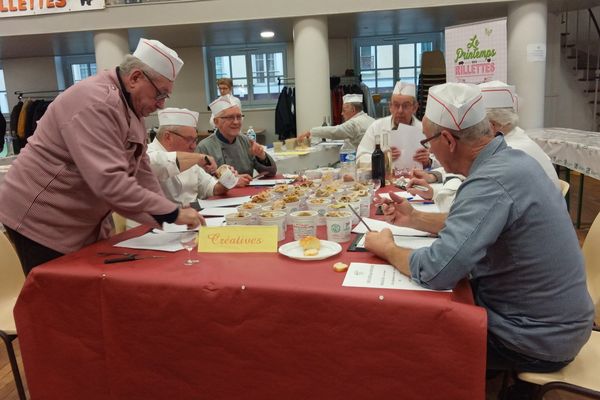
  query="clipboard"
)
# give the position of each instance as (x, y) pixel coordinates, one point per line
(354, 243)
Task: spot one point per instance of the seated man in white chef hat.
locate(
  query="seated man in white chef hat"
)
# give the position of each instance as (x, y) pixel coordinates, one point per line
(227, 146)
(508, 232)
(180, 171)
(403, 106)
(355, 124)
(501, 103)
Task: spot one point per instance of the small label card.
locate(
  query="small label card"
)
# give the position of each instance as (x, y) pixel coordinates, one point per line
(238, 239)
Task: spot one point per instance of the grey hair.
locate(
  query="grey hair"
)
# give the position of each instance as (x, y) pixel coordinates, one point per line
(358, 107)
(506, 118)
(131, 62)
(163, 129)
(470, 134)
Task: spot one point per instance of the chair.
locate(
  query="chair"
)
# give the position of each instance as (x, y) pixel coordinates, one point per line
(119, 222)
(581, 375)
(11, 282)
(564, 187)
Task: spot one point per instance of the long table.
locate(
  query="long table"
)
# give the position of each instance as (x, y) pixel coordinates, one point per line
(573, 149)
(250, 326)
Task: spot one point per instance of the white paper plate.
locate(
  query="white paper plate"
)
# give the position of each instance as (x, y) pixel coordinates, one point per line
(295, 251)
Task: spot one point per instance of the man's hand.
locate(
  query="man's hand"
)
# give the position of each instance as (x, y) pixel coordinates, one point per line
(190, 217)
(305, 135)
(208, 163)
(422, 156)
(420, 174)
(257, 150)
(397, 211)
(380, 243)
(426, 194)
(395, 153)
(243, 180)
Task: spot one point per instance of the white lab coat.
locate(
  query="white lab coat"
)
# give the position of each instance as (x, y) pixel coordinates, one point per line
(181, 187)
(353, 129)
(367, 144)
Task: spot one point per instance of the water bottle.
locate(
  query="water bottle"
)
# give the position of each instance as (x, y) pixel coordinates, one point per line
(348, 160)
(251, 134)
(8, 145)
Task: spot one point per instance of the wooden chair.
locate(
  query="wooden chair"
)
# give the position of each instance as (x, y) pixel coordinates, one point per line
(564, 187)
(11, 283)
(582, 376)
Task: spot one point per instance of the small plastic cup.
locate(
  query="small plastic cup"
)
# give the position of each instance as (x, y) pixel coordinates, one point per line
(304, 223)
(319, 205)
(239, 218)
(274, 218)
(339, 225)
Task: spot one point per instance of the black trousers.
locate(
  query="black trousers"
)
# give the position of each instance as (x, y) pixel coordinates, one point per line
(31, 254)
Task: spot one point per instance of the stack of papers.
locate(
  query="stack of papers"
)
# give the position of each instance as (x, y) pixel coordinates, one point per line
(228, 201)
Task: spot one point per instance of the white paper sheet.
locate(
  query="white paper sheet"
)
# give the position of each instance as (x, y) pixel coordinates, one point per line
(402, 194)
(433, 208)
(380, 276)
(377, 226)
(269, 182)
(403, 138)
(408, 242)
(228, 201)
(217, 211)
(163, 241)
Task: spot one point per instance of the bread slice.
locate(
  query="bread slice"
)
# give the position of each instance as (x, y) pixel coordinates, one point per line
(311, 245)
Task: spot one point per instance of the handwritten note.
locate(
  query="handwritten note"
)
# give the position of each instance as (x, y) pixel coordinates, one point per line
(238, 239)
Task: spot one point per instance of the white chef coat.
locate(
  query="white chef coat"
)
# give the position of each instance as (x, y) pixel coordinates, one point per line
(367, 144)
(181, 187)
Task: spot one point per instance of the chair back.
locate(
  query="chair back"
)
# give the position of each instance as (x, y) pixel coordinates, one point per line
(591, 254)
(12, 279)
(564, 187)
(119, 222)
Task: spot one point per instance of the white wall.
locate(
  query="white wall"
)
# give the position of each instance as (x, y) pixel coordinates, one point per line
(340, 56)
(566, 103)
(28, 74)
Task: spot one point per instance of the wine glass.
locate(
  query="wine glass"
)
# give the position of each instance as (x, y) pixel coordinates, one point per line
(189, 240)
(374, 184)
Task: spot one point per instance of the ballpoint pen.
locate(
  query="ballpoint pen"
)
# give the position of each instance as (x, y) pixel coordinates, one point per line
(130, 257)
(360, 218)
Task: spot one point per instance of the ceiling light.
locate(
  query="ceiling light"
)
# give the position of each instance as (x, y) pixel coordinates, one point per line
(267, 34)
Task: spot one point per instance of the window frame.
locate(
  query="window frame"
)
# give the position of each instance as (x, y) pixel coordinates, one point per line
(212, 52)
(67, 62)
(436, 38)
(5, 93)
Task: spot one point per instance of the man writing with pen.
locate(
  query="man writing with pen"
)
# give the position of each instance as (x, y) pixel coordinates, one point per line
(508, 232)
(183, 175)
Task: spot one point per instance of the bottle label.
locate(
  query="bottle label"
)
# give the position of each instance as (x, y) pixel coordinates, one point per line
(347, 157)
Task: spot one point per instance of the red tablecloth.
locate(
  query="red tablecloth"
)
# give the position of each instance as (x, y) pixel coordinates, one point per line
(252, 326)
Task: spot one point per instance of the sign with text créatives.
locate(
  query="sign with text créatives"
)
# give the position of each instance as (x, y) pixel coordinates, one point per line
(476, 53)
(238, 239)
(21, 8)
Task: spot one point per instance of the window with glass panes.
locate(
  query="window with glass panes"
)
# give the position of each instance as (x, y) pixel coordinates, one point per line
(254, 72)
(3, 96)
(384, 61)
(81, 71)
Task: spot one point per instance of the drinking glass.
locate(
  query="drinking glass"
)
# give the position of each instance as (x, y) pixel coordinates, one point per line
(189, 240)
(374, 184)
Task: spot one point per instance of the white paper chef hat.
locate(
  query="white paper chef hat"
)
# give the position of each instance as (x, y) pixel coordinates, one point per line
(352, 98)
(497, 94)
(177, 116)
(223, 103)
(455, 105)
(159, 57)
(406, 89)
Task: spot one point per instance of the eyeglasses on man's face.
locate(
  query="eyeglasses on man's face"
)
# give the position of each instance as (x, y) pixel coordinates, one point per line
(159, 95)
(231, 118)
(402, 106)
(426, 142)
(188, 139)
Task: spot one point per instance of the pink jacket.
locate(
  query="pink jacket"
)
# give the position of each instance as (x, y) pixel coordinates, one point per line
(86, 159)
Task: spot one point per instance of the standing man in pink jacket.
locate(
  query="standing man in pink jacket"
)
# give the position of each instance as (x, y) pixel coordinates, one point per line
(88, 158)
